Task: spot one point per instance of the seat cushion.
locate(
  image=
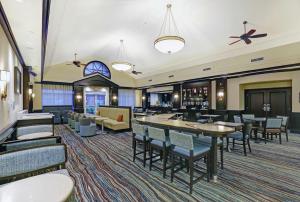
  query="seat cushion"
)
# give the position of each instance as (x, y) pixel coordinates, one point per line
(236, 135)
(198, 149)
(206, 140)
(141, 137)
(160, 143)
(35, 135)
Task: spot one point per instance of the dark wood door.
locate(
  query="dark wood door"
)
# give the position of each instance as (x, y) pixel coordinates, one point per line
(278, 98)
(255, 102)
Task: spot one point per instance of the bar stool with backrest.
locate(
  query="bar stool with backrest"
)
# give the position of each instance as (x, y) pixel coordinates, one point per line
(241, 136)
(140, 135)
(273, 127)
(205, 139)
(159, 141)
(184, 146)
(284, 127)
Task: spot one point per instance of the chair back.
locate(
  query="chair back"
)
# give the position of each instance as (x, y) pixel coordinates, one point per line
(284, 120)
(248, 116)
(181, 140)
(247, 128)
(85, 121)
(139, 129)
(273, 123)
(237, 119)
(198, 115)
(157, 134)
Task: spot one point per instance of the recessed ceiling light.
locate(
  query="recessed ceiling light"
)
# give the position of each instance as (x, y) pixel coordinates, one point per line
(20, 1)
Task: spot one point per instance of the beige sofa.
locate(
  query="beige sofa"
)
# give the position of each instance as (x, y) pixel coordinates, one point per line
(111, 114)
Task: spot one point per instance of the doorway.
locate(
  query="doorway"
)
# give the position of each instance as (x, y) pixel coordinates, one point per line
(279, 99)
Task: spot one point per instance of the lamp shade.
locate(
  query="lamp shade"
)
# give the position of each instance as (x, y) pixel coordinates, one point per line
(4, 75)
(169, 44)
(121, 66)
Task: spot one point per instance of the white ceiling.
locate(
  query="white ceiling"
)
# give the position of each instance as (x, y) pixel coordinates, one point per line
(93, 29)
(25, 19)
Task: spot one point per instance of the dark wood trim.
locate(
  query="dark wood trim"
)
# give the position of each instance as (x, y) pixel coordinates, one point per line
(267, 70)
(45, 24)
(54, 83)
(10, 36)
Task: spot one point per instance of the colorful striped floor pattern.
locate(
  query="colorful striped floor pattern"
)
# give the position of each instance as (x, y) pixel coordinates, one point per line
(102, 169)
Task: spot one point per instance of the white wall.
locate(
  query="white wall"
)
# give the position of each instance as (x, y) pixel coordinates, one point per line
(13, 102)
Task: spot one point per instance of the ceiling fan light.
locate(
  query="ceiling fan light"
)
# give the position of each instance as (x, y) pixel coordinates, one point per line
(121, 66)
(169, 44)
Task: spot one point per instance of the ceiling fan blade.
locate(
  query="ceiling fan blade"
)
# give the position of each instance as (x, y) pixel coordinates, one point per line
(234, 37)
(247, 41)
(258, 35)
(252, 31)
(235, 42)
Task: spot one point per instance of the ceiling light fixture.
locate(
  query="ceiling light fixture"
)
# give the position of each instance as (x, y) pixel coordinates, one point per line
(169, 40)
(121, 64)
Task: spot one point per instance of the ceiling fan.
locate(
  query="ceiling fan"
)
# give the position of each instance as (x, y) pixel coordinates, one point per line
(134, 71)
(76, 62)
(247, 35)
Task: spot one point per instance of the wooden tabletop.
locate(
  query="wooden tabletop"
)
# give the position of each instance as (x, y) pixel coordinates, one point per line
(211, 115)
(164, 121)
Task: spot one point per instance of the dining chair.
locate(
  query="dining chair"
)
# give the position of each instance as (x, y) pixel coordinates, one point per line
(184, 146)
(284, 127)
(248, 117)
(241, 136)
(159, 141)
(140, 135)
(273, 127)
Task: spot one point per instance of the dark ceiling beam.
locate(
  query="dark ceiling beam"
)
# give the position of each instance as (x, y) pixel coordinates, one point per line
(10, 36)
(45, 25)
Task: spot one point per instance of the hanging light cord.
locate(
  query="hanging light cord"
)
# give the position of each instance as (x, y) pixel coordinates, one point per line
(168, 21)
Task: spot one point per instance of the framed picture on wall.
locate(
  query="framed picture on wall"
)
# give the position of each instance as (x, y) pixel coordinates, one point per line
(18, 81)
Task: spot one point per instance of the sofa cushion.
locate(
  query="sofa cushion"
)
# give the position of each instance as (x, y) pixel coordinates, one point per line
(120, 118)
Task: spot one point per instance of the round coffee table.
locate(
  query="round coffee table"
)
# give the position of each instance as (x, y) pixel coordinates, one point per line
(102, 119)
(46, 188)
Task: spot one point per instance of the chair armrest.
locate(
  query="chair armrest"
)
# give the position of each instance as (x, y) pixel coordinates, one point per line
(26, 161)
(23, 144)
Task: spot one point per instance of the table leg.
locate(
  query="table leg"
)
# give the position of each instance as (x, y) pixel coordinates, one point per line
(214, 159)
(102, 128)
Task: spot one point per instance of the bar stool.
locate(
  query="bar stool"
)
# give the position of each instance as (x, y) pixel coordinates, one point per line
(184, 146)
(159, 141)
(140, 135)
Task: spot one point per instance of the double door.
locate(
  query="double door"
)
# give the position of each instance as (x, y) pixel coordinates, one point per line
(279, 100)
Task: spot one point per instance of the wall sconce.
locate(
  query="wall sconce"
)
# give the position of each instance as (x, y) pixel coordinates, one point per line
(32, 95)
(221, 94)
(30, 91)
(114, 97)
(4, 78)
(78, 97)
(143, 98)
(176, 96)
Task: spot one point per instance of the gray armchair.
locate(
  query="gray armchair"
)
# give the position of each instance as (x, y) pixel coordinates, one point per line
(77, 123)
(86, 128)
(26, 161)
(36, 131)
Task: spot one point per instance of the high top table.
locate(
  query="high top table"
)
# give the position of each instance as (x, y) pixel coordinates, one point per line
(164, 121)
(46, 188)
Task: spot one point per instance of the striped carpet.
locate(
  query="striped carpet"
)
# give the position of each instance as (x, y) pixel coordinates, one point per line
(103, 170)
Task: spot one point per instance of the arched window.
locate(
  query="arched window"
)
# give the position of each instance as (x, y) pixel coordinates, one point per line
(96, 67)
